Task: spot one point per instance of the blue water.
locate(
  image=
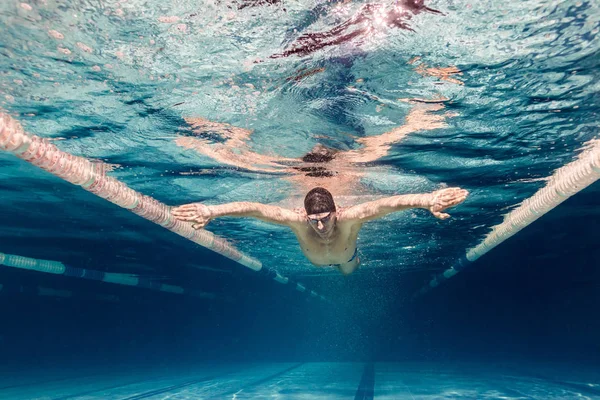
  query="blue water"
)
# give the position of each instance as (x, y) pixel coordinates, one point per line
(491, 96)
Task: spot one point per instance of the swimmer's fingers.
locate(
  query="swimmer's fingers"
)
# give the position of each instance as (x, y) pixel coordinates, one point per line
(184, 208)
(447, 198)
(450, 197)
(188, 212)
(185, 215)
(440, 215)
(187, 219)
(458, 196)
(197, 213)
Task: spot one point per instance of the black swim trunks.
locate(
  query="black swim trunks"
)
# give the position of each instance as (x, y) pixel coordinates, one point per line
(350, 260)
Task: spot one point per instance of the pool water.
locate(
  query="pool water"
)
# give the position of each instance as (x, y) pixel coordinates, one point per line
(260, 101)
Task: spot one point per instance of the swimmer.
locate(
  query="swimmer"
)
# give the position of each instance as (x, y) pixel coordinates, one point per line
(327, 235)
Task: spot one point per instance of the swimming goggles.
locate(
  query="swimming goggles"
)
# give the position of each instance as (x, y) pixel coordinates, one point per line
(322, 219)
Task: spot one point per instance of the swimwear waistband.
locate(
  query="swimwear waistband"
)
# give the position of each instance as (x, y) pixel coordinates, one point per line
(350, 260)
(354, 255)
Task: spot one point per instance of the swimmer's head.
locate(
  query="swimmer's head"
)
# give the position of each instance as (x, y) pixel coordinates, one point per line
(320, 210)
(319, 200)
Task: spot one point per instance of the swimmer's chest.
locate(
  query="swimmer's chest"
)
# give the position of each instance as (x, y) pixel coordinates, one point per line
(321, 252)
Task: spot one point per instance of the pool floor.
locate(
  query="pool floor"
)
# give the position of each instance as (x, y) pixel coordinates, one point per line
(307, 381)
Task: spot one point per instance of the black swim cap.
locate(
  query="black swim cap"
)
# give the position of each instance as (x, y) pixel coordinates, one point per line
(318, 201)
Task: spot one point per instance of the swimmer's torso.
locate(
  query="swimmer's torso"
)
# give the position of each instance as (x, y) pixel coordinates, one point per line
(338, 249)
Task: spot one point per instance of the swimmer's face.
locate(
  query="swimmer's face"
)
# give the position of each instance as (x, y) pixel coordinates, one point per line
(322, 223)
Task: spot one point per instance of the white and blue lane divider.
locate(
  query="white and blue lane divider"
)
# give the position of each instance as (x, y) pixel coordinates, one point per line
(58, 268)
(564, 183)
(43, 291)
(92, 177)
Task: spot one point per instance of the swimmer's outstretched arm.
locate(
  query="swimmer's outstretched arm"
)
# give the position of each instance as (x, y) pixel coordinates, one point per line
(436, 202)
(201, 214)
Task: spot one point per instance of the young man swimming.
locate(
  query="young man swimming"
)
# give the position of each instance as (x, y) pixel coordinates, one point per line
(327, 235)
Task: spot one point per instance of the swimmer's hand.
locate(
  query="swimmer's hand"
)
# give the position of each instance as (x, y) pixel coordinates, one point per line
(446, 198)
(197, 213)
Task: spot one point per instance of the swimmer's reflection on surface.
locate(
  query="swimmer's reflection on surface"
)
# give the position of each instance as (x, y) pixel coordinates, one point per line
(338, 171)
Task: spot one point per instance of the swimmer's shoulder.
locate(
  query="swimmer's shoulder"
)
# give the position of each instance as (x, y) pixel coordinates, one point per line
(344, 221)
(301, 220)
(342, 215)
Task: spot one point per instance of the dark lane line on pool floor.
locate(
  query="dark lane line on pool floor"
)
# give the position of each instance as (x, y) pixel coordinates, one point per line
(366, 387)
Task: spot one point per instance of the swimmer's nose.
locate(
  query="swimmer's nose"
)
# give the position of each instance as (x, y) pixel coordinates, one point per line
(320, 225)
